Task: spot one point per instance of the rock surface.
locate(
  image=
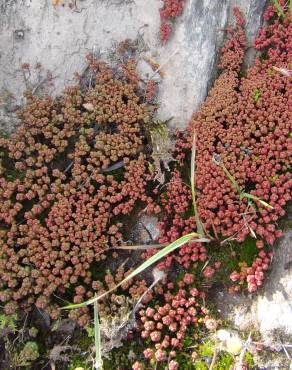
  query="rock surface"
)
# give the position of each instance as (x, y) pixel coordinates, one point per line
(270, 312)
(274, 306)
(58, 37)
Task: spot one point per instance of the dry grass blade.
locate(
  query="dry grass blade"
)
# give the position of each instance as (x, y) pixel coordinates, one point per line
(284, 71)
(213, 360)
(200, 228)
(97, 338)
(194, 237)
(141, 247)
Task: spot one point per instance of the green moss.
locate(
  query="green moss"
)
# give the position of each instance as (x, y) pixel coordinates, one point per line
(8, 322)
(200, 365)
(224, 361)
(4, 134)
(206, 349)
(248, 250)
(83, 341)
(248, 359)
(12, 175)
(28, 354)
(78, 361)
(122, 358)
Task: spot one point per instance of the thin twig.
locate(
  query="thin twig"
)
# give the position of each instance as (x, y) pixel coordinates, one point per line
(42, 81)
(286, 352)
(140, 247)
(234, 235)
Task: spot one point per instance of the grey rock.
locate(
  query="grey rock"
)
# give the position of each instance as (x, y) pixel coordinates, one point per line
(58, 37)
(270, 311)
(274, 306)
(145, 230)
(198, 37)
(66, 327)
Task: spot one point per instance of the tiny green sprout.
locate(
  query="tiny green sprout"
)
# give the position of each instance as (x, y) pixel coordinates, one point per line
(270, 72)
(8, 322)
(273, 178)
(151, 168)
(257, 95)
(90, 331)
(97, 339)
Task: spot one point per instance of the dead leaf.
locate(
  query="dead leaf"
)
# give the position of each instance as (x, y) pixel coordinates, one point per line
(57, 2)
(89, 107)
(283, 71)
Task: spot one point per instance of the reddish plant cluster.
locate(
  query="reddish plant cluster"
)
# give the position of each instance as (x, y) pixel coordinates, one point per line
(253, 275)
(167, 323)
(59, 194)
(171, 9)
(130, 72)
(151, 91)
(245, 126)
(131, 291)
(272, 10)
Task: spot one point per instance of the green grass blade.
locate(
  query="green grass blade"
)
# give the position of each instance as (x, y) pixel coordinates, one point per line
(290, 7)
(243, 194)
(279, 8)
(194, 237)
(97, 338)
(253, 197)
(200, 228)
(231, 178)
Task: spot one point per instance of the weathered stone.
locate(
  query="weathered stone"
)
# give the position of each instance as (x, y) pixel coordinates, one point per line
(270, 311)
(58, 37)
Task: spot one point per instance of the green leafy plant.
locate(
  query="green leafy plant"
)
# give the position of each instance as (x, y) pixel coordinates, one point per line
(8, 322)
(257, 95)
